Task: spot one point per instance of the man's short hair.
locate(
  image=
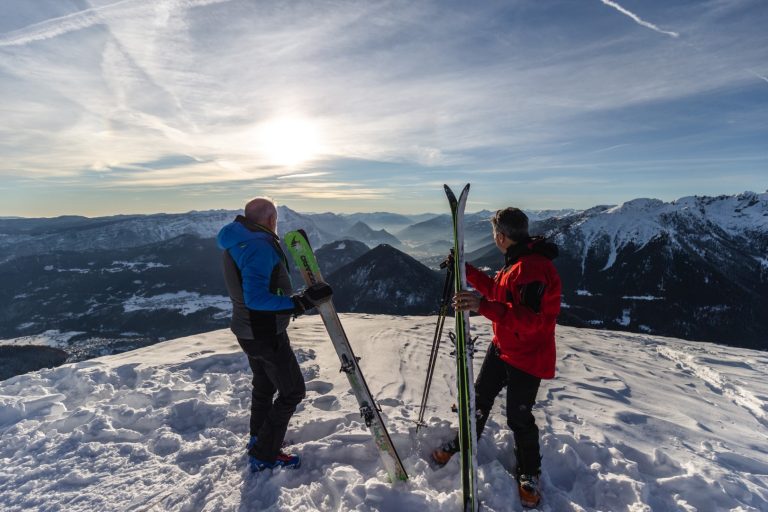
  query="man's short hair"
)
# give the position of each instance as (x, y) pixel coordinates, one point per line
(260, 210)
(512, 222)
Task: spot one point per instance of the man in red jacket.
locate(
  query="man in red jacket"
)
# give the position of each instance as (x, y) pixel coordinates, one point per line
(523, 302)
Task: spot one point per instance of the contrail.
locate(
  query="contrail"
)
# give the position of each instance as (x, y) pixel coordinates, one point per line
(637, 18)
(57, 26)
(761, 77)
(83, 19)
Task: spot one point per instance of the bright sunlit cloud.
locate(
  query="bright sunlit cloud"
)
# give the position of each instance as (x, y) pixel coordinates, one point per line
(288, 141)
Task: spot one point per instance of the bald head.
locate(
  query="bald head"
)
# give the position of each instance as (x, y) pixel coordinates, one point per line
(263, 211)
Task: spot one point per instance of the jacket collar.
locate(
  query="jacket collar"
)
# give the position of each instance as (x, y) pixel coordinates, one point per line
(516, 251)
(530, 245)
(257, 228)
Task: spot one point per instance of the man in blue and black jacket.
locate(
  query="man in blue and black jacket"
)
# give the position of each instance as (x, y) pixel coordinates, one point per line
(256, 274)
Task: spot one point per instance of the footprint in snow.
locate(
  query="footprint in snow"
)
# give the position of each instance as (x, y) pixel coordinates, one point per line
(305, 354)
(320, 387)
(201, 353)
(326, 403)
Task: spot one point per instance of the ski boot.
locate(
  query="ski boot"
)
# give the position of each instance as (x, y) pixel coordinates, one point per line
(283, 460)
(443, 454)
(528, 487)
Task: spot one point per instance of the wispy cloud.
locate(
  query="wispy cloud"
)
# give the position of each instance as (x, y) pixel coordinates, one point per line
(302, 175)
(610, 148)
(638, 19)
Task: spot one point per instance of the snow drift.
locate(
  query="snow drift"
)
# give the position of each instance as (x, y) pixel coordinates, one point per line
(632, 422)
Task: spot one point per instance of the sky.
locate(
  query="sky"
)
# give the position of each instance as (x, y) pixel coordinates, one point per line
(143, 106)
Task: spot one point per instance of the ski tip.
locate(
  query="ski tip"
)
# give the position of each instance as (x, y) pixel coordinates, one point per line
(306, 238)
(292, 238)
(450, 194)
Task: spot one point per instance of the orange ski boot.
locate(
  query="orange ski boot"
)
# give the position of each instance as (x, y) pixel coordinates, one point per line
(443, 454)
(528, 487)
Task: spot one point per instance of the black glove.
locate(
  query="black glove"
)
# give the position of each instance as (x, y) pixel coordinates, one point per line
(312, 296)
(447, 262)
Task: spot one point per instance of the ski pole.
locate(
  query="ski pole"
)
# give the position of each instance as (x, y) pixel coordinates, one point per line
(446, 298)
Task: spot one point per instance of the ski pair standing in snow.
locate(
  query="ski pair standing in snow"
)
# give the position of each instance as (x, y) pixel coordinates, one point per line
(304, 257)
(257, 279)
(522, 301)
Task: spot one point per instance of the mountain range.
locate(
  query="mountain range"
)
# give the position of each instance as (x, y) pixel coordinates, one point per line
(695, 268)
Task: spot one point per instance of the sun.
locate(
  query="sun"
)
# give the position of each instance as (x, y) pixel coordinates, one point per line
(289, 141)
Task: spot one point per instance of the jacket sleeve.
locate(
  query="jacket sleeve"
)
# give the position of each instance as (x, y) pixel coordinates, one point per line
(256, 268)
(479, 280)
(520, 317)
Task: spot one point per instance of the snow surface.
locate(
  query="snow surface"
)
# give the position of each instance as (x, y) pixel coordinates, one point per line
(632, 422)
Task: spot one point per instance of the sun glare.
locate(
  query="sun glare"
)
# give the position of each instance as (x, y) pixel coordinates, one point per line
(288, 141)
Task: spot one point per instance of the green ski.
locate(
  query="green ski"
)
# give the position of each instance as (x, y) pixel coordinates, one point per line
(464, 351)
(298, 245)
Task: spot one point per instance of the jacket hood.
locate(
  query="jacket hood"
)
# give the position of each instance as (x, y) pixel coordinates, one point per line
(533, 245)
(241, 230)
(539, 245)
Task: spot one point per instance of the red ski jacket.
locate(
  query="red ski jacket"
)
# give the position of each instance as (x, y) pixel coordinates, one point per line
(523, 302)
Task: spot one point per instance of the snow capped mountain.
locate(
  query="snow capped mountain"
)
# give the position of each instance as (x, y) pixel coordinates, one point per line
(539, 215)
(20, 237)
(82, 234)
(289, 220)
(631, 422)
(639, 221)
(36, 236)
(697, 264)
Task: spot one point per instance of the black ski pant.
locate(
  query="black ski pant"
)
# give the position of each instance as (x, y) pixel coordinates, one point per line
(275, 369)
(522, 388)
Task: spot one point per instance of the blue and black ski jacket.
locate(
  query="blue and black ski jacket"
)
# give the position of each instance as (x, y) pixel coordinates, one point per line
(256, 274)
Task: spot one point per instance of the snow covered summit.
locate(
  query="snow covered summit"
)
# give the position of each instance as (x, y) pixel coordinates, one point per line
(632, 422)
(639, 221)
